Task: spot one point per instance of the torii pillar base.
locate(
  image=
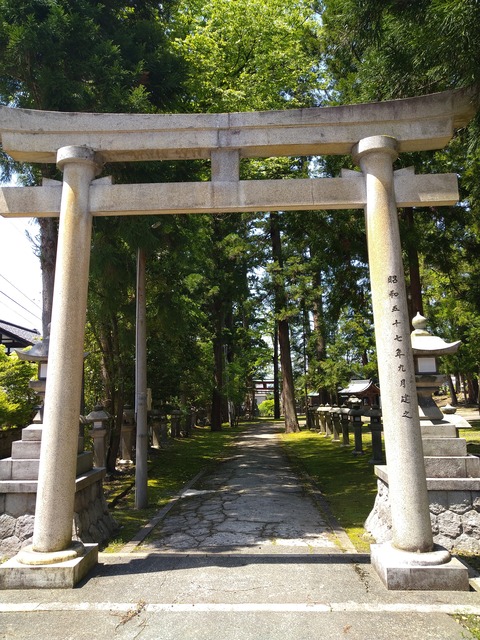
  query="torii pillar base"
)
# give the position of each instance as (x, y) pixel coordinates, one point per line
(60, 574)
(407, 571)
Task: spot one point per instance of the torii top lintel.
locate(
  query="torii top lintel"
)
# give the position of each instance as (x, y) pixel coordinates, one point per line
(420, 123)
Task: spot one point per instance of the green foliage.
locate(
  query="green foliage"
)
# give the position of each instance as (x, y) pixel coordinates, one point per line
(395, 50)
(401, 49)
(470, 622)
(82, 55)
(266, 408)
(17, 400)
(249, 54)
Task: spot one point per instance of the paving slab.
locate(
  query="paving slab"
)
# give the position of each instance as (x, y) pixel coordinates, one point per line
(238, 557)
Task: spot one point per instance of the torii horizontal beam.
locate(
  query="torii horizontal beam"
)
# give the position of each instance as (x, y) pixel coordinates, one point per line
(422, 123)
(236, 196)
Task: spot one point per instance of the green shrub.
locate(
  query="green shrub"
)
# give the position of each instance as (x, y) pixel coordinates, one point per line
(17, 400)
(266, 408)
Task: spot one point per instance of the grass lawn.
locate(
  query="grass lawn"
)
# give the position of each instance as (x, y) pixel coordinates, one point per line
(346, 481)
(472, 436)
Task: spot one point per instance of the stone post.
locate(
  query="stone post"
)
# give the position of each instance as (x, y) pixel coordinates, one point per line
(321, 418)
(163, 430)
(175, 430)
(335, 414)
(345, 424)
(355, 414)
(156, 429)
(98, 419)
(411, 526)
(375, 415)
(126, 442)
(58, 458)
(328, 421)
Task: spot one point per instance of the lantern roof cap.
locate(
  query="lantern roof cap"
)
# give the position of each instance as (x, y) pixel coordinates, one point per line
(38, 353)
(98, 414)
(424, 344)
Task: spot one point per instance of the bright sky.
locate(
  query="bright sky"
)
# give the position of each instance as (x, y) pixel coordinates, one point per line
(20, 275)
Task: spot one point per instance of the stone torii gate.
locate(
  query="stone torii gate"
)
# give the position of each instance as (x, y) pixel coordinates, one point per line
(374, 134)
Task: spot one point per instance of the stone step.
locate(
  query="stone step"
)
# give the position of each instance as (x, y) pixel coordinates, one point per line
(30, 449)
(453, 484)
(444, 446)
(452, 467)
(27, 469)
(30, 486)
(26, 449)
(438, 430)
(437, 484)
(32, 432)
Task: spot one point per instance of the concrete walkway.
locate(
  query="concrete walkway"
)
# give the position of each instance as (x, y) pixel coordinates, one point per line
(248, 552)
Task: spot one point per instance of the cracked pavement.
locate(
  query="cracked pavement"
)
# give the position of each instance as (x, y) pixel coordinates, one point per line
(252, 503)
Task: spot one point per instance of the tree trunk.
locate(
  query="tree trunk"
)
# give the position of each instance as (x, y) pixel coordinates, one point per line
(470, 391)
(317, 312)
(319, 332)
(217, 394)
(414, 288)
(288, 389)
(48, 255)
(116, 432)
(112, 371)
(276, 377)
(453, 393)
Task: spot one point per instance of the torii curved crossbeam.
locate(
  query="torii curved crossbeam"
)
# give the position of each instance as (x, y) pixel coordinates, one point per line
(421, 123)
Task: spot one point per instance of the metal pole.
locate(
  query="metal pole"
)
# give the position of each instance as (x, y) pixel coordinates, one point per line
(141, 470)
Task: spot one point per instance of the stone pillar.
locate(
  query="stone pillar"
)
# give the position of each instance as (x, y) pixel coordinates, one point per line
(345, 424)
(176, 423)
(355, 414)
(375, 415)
(126, 441)
(409, 499)
(336, 427)
(99, 437)
(58, 458)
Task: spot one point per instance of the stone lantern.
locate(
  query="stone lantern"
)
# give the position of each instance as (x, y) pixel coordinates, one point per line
(98, 419)
(39, 355)
(426, 349)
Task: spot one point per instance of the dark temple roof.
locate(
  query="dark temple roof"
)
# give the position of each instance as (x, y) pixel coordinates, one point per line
(13, 336)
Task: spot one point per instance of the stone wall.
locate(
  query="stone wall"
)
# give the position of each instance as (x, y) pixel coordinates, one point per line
(455, 517)
(92, 520)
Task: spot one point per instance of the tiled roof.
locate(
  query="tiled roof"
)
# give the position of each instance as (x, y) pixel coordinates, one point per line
(359, 386)
(12, 335)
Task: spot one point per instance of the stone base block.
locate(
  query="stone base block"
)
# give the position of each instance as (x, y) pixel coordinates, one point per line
(404, 571)
(60, 575)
